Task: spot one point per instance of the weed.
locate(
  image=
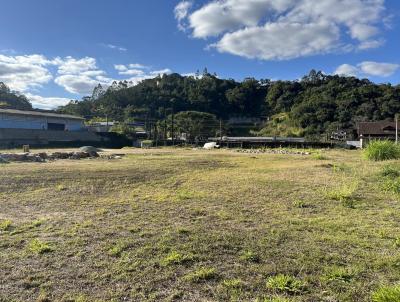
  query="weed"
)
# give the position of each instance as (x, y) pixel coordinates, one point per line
(344, 193)
(285, 283)
(338, 273)
(38, 247)
(117, 249)
(61, 188)
(389, 171)
(340, 168)
(183, 231)
(232, 283)
(176, 258)
(5, 225)
(250, 256)
(36, 223)
(387, 294)
(379, 150)
(298, 203)
(319, 156)
(391, 185)
(202, 274)
(397, 242)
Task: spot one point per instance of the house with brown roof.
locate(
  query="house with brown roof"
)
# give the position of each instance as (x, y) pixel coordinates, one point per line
(376, 130)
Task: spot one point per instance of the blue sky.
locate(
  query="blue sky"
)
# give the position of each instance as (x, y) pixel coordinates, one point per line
(54, 51)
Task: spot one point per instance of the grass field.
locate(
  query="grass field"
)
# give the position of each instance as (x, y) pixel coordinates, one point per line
(194, 225)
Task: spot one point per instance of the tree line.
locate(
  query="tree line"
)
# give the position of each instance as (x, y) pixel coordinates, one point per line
(312, 106)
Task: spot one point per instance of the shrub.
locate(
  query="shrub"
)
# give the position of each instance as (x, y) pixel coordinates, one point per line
(38, 247)
(285, 283)
(382, 150)
(202, 274)
(387, 294)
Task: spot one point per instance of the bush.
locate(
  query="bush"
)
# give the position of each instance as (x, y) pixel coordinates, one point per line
(387, 294)
(382, 150)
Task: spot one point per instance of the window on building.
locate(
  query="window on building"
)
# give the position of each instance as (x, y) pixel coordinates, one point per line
(55, 126)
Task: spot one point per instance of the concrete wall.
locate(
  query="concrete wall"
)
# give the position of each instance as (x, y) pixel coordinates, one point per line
(14, 121)
(17, 137)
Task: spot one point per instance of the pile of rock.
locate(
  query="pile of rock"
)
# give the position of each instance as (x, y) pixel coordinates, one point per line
(273, 151)
(43, 156)
(25, 157)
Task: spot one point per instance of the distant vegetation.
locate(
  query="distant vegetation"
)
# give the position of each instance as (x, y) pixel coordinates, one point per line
(13, 100)
(313, 106)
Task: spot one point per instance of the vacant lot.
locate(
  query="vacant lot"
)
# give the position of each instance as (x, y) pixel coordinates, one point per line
(184, 225)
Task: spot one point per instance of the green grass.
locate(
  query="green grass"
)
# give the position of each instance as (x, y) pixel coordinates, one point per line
(379, 150)
(387, 294)
(285, 284)
(175, 258)
(250, 256)
(193, 225)
(39, 247)
(5, 225)
(338, 273)
(202, 274)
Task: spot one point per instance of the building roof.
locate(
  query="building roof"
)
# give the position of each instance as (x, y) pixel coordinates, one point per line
(40, 113)
(377, 128)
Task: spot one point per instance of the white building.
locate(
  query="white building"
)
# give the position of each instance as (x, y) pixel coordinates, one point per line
(36, 120)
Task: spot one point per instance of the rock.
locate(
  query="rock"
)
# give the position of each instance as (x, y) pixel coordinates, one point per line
(89, 149)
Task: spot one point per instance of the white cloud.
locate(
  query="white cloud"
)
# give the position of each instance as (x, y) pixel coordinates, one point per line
(272, 26)
(76, 75)
(347, 70)
(24, 72)
(181, 11)
(378, 69)
(80, 76)
(80, 84)
(268, 42)
(132, 72)
(112, 46)
(367, 68)
(70, 65)
(46, 102)
(139, 72)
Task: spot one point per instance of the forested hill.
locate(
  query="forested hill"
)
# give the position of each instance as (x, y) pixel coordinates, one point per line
(12, 100)
(311, 106)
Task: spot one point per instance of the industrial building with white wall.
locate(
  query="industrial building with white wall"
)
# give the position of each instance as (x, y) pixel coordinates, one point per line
(18, 127)
(36, 120)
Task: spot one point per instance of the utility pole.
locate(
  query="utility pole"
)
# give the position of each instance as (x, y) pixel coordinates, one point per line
(172, 127)
(165, 126)
(220, 131)
(397, 127)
